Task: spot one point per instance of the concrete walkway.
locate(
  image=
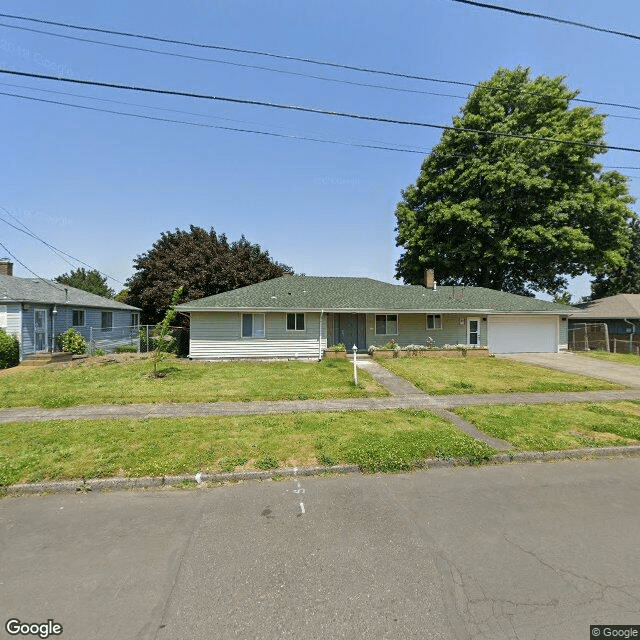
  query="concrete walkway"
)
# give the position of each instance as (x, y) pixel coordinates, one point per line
(394, 384)
(626, 374)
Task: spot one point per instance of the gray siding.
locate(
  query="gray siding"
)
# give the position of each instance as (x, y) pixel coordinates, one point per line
(563, 338)
(13, 326)
(412, 329)
(121, 332)
(215, 335)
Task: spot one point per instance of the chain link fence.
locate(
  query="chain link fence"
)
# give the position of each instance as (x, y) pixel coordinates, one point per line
(111, 340)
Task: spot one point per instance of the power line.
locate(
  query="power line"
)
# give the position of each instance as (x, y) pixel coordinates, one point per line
(57, 251)
(326, 63)
(394, 146)
(212, 126)
(542, 16)
(48, 282)
(254, 52)
(234, 64)
(339, 114)
(201, 115)
(266, 133)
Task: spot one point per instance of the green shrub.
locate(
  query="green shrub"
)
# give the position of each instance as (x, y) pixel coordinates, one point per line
(72, 342)
(126, 348)
(9, 351)
(337, 347)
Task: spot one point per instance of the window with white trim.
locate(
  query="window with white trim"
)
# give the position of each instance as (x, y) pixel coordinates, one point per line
(107, 321)
(253, 325)
(295, 321)
(387, 325)
(4, 317)
(434, 321)
(77, 319)
(135, 319)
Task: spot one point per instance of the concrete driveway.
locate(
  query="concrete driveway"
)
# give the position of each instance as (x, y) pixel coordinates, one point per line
(626, 374)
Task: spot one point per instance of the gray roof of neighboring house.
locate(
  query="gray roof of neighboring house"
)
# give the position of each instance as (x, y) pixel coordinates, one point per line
(36, 291)
(307, 293)
(624, 305)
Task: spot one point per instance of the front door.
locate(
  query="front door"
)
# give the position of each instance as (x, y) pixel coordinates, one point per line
(40, 329)
(350, 329)
(473, 331)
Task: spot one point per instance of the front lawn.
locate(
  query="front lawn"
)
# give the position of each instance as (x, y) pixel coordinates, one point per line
(377, 441)
(620, 358)
(112, 382)
(444, 376)
(556, 427)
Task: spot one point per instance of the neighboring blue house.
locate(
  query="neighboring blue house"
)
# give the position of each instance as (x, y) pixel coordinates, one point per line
(37, 311)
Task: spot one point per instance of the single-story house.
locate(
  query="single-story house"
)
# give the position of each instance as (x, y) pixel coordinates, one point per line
(621, 314)
(36, 311)
(300, 316)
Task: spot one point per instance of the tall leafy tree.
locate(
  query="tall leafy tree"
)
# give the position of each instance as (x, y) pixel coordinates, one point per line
(515, 213)
(625, 279)
(92, 281)
(202, 262)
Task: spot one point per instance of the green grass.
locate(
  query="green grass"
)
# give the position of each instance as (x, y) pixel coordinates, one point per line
(444, 376)
(377, 441)
(557, 427)
(620, 358)
(127, 382)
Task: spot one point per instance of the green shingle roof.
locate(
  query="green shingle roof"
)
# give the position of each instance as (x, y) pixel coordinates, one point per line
(37, 291)
(311, 293)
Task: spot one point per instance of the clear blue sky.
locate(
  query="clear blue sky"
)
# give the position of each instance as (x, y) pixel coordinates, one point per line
(103, 187)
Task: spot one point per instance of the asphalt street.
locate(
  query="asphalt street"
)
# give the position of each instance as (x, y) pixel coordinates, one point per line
(515, 551)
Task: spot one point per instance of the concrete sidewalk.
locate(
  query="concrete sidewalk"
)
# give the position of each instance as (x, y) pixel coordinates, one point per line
(404, 395)
(416, 401)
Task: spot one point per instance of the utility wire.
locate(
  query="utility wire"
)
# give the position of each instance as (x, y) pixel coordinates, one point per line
(339, 114)
(204, 115)
(234, 64)
(404, 146)
(56, 251)
(212, 126)
(542, 16)
(273, 134)
(269, 54)
(48, 282)
(254, 52)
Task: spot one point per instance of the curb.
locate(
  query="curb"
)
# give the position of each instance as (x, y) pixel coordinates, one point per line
(119, 484)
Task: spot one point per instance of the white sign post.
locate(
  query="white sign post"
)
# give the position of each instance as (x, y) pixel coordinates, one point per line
(355, 368)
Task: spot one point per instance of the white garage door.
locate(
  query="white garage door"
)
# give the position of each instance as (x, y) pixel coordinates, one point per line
(530, 334)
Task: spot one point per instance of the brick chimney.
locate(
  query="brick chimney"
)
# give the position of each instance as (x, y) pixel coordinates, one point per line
(429, 279)
(6, 267)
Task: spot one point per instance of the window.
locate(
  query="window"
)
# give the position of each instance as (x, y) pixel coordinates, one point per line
(434, 321)
(253, 325)
(4, 320)
(473, 336)
(387, 325)
(78, 318)
(135, 320)
(107, 320)
(295, 321)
